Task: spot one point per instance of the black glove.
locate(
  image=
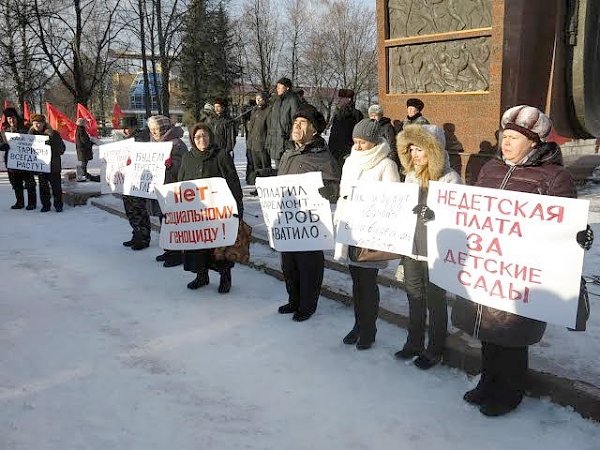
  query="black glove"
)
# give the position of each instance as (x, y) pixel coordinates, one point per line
(585, 238)
(424, 213)
(329, 192)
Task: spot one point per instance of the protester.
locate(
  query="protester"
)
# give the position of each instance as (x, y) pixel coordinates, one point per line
(257, 135)
(83, 145)
(308, 152)
(224, 127)
(345, 118)
(207, 114)
(281, 114)
(19, 179)
(162, 130)
(49, 181)
(527, 164)
(206, 160)
(421, 150)
(387, 131)
(368, 160)
(414, 108)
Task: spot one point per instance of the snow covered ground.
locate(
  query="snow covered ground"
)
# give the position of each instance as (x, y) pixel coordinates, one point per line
(101, 347)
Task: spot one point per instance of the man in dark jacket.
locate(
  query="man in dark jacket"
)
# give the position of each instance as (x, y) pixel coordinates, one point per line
(303, 271)
(279, 125)
(224, 127)
(257, 133)
(346, 116)
(83, 145)
(18, 178)
(52, 180)
(414, 109)
(386, 130)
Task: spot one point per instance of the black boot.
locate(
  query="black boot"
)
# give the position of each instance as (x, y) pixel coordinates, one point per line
(172, 258)
(352, 337)
(140, 245)
(200, 280)
(160, 258)
(288, 308)
(129, 243)
(18, 205)
(45, 208)
(225, 283)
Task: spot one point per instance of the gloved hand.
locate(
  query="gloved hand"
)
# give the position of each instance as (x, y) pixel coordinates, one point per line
(585, 238)
(168, 162)
(424, 213)
(329, 192)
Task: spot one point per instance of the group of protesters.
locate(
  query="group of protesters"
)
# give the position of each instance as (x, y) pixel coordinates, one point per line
(285, 137)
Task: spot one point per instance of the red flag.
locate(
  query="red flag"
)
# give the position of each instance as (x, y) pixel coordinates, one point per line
(26, 112)
(555, 137)
(7, 104)
(117, 115)
(82, 112)
(61, 123)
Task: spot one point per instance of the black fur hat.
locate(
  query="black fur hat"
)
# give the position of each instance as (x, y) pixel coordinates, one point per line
(313, 115)
(415, 102)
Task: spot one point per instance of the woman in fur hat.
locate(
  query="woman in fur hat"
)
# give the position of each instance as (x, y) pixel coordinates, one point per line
(527, 164)
(368, 160)
(424, 159)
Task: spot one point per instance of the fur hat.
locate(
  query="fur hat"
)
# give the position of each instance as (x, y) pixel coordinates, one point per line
(429, 140)
(346, 93)
(286, 82)
(377, 109)
(368, 130)
(220, 101)
(313, 115)
(416, 103)
(81, 122)
(37, 118)
(527, 120)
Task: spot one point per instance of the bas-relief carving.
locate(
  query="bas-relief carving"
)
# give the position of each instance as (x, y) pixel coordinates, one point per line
(418, 17)
(452, 66)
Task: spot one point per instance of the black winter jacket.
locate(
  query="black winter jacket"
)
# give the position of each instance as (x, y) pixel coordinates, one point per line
(83, 144)
(340, 137)
(225, 132)
(279, 123)
(257, 129)
(57, 147)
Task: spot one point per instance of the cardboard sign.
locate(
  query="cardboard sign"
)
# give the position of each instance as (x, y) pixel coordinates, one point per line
(197, 214)
(147, 168)
(28, 152)
(113, 165)
(378, 215)
(513, 251)
(297, 217)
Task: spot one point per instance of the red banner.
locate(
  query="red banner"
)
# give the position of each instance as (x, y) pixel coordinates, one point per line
(83, 113)
(61, 123)
(117, 115)
(26, 112)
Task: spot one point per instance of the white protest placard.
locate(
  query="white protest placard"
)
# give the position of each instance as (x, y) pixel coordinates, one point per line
(510, 250)
(197, 214)
(113, 165)
(147, 168)
(378, 215)
(297, 217)
(28, 152)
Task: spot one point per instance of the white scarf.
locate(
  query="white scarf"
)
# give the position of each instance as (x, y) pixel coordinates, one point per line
(362, 160)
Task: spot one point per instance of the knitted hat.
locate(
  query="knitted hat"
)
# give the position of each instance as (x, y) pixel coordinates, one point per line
(416, 103)
(163, 122)
(313, 115)
(81, 122)
(37, 118)
(367, 130)
(208, 107)
(528, 121)
(346, 93)
(286, 82)
(376, 109)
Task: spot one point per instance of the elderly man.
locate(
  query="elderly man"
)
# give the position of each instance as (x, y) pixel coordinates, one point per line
(308, 152)
(283, 108)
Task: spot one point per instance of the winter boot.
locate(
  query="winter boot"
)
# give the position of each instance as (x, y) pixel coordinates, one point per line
(288, 308)
(352, 337)
(225, 283)
(200, 280)
(140, 245)
(45, 208)
(129, 243)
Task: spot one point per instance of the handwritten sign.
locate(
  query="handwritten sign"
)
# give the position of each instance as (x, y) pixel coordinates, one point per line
(28, 152)
(510, 250)
(147, 168)
(197, 214)
(297, 217)
(378, 215)
(113, 165)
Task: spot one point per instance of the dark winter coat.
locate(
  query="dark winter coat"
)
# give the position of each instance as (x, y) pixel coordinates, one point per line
(417, 119)
(4, 147)
(280, 121)
(340, 137)
(542, 174)
(57, 147)
(83, 144)
(213, 162)
(257, 129)
(313, 157)
(225, 131)
(177, 151)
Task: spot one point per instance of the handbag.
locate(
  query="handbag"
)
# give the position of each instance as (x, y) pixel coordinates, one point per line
(360, 254)
(240, 250)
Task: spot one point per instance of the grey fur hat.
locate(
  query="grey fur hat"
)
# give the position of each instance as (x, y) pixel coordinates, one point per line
(377, 109)
(368, 130)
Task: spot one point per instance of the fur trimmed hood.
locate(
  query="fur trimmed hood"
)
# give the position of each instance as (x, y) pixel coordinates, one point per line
(438, 159)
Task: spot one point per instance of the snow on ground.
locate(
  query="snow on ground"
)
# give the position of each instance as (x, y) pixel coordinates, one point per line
(101, 347)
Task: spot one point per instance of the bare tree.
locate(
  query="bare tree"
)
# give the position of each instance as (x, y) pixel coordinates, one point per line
(76, 37)
(263, 37)
(297, 23)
